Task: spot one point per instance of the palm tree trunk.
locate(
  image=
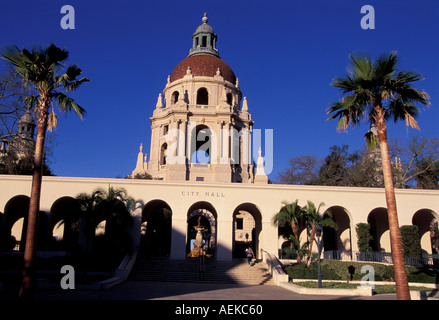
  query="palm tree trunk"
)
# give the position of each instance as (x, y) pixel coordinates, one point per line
(312, 237)
(27, 285)
(295, 229)
(401, 282)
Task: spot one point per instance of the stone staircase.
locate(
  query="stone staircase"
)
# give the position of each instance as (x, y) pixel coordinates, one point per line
(236, 271)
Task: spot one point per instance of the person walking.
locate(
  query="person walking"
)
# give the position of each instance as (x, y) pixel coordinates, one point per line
(250, 255)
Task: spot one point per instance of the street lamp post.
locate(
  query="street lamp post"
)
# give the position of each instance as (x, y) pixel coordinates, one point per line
(319, 241)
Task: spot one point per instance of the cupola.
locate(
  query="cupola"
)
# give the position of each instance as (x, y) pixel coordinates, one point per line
(204, 39)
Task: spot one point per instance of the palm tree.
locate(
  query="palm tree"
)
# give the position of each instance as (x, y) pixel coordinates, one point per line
(88, 203)
(114, 206)
(375, 92)
(41, 68)
(291, 214)
(315, 218)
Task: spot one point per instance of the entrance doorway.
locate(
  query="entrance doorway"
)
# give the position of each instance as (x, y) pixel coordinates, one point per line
(156, 229)
(247, 227)
(202, 213)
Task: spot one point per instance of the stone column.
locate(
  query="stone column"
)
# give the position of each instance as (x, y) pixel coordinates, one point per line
(191, 140)
(178, 239)
(224, 143)
(224, 240)
(181, 152)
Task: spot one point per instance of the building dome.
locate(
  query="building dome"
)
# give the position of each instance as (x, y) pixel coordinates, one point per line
(203, 59)
(203, 65)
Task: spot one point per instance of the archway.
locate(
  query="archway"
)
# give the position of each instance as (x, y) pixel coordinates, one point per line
(65, 215)
(247, 227)
(202, 96)
(202, 146)
(340, 239)
(426, 220)
(204, 213)
(15, 223)
(156, 229)
(379, 228)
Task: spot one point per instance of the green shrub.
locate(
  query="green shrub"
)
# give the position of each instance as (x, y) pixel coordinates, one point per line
(410, 241)
(339, 270)
(364, 237)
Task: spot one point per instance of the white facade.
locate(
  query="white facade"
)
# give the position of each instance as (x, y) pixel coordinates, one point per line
(226, 201)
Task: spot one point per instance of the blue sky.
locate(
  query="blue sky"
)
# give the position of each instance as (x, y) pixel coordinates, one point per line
(285, 54)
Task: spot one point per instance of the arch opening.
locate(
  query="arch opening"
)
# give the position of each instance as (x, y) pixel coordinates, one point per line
(202, 213)
(156, 229)
(247, 227)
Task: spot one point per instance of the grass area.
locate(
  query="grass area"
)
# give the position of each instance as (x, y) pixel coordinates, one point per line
(379, 289)
(350, 270)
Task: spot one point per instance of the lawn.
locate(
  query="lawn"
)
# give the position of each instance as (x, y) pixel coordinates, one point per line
(379, 289)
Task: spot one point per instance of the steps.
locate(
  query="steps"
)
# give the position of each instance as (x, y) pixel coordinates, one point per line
(236, 271)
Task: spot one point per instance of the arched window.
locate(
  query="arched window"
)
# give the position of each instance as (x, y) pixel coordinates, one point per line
(163, 154)
(174, 97)
(202, 96)
(203, 145)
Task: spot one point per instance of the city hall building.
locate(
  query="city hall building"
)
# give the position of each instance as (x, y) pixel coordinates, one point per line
(201, 163)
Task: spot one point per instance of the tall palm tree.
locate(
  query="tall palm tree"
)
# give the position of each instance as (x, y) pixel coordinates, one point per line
(43, 68)
(375, 92)
(291, 214)
(315, 218)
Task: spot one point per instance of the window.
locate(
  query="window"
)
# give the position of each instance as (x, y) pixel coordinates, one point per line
(199, 179)
(174, 97)
(204, 42)
(163, 154)
(202, 96)
(239, 223)
(230, 98)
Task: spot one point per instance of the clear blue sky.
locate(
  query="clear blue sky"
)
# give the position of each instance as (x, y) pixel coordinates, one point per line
(285, 54)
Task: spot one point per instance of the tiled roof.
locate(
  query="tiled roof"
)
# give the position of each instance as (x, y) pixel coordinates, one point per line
(203, 65)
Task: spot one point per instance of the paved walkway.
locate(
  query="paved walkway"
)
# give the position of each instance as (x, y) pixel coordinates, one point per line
(150, 290)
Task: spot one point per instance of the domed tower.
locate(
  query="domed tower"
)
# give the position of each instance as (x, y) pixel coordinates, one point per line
(23, 142)
(199, 130)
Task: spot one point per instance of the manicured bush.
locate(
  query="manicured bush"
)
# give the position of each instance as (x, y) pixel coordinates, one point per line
(364, 237)
(410, 241)
(339, 270)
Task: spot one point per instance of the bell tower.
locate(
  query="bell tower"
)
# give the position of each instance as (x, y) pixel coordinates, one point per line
(199, 131)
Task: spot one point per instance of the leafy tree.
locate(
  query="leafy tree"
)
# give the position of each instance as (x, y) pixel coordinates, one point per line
(41, 68)
(375, 92)
(335, 168)
(428, 173)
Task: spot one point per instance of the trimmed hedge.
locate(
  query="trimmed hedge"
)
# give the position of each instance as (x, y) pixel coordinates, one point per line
(341, 270)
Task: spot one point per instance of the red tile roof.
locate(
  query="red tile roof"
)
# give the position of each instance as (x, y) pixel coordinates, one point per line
(203, 65)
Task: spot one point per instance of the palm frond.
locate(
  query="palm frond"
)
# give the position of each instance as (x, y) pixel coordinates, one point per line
(377, 84)
(67, 104)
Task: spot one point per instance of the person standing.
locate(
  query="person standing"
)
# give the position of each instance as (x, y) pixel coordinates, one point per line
(250, 255)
